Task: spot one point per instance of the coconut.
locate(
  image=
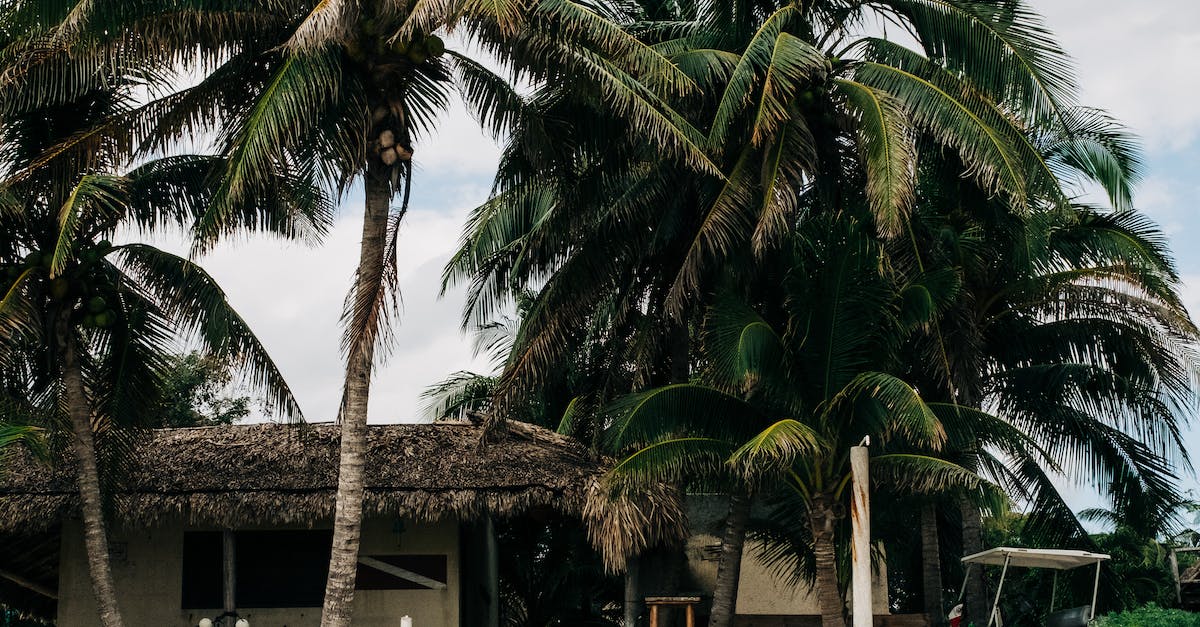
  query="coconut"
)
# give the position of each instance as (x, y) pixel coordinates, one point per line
(59, 288)
(96, 304)
(403, 153)
(105, 319)
(389, 156)
(387, 138)
(435, 46)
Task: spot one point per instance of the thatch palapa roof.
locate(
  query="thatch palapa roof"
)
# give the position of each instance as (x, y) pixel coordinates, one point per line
(265, 474)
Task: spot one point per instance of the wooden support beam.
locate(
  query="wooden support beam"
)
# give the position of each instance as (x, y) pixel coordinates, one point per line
(228, 571)
(402, 573)
(29, 585)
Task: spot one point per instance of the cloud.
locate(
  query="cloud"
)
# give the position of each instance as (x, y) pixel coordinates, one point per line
(458, 147)
(1138, 60)
(291, 295)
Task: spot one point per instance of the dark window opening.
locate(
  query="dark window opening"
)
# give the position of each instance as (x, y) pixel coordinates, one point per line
(202, 569)
(283, 568)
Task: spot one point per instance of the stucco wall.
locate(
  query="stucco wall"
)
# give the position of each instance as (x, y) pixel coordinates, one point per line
(760, 591)
(150, 578)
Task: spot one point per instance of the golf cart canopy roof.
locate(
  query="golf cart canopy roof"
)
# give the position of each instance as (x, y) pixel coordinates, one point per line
(1059, 559)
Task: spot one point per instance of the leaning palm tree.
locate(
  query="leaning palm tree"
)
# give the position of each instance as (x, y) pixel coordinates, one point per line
(344, 92)
(84, 323)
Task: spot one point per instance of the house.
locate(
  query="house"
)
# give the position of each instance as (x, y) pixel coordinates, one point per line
(245, 511)
(239, 517)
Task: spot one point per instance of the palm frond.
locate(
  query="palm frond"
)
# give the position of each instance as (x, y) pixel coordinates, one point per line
(776, 447)
(888, 152)
(671, 461)
(190, 297)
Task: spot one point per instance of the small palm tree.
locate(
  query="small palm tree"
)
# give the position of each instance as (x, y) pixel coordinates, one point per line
(791, 384)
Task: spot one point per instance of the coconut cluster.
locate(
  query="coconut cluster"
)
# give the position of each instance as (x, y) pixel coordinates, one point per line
(82, 287)
(389, 151)
(421, 48)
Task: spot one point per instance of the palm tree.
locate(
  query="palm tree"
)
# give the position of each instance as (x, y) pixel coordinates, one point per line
(791, 384)
(86, 324)
(1069, 325)
(343, 91)
(790, 98)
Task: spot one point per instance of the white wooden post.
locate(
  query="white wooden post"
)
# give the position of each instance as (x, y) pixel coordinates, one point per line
(1095, 590)
(860, 519)
(406, 621)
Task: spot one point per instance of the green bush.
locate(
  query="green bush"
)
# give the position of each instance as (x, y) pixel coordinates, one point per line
(1150, 616)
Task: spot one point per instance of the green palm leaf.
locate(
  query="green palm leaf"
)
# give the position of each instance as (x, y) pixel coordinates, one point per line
(189, 296)
(775, 448)
(888, 151)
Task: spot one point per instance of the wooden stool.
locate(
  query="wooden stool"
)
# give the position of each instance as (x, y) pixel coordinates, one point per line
(688, 602)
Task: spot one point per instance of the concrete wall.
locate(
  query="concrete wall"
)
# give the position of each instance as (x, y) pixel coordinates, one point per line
(150, 579)
(760, 591)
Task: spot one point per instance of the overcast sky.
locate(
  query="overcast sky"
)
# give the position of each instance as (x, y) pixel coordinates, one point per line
(1136, 59)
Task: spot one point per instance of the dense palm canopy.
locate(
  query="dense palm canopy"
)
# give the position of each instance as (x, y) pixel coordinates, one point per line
(794, 96)
(790, 384)
(967, 150)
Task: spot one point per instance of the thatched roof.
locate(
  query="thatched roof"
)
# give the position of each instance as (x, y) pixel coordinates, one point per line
(279, 474)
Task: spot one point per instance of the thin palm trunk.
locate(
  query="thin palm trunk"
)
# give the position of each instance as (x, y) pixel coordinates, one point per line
(347, 523)
(829, 597)
(931, 564)
(729, 569)
(95, 535)
(972, 541)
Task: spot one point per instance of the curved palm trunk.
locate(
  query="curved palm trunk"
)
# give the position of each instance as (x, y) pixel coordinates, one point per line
(95, 535)
(347, 522)
(972, 529)
(729, 568)
(931, 565)
(829, 596)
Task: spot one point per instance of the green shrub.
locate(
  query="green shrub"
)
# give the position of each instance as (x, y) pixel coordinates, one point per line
(1150, 616)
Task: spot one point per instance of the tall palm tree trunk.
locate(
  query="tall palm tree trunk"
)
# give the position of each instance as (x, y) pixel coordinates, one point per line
(972, 541)
(95, 535)
(729, 568)
(347, 521)
(829, 597)
(931, 564)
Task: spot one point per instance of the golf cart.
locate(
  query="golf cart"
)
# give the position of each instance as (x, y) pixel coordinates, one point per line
(1055, 559)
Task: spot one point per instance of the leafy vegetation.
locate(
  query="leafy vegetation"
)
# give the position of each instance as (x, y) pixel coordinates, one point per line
(1150, 616)
(196, 393)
